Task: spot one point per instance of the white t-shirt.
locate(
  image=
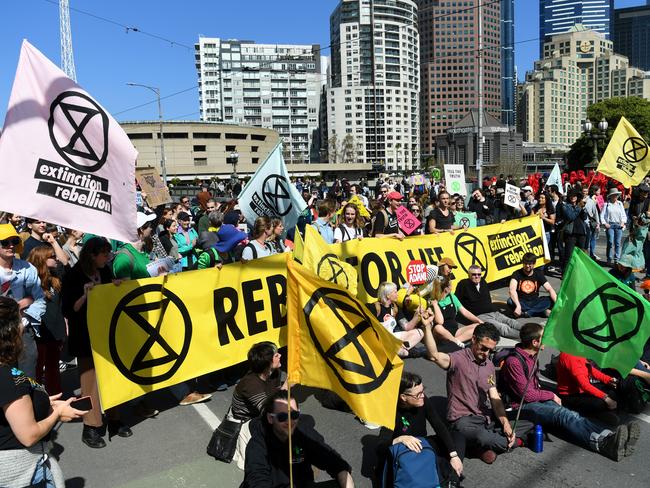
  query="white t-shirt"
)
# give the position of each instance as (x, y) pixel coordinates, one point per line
(344, 233)
(262, 251)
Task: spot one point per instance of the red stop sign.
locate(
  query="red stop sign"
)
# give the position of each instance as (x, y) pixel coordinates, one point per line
(416, 272)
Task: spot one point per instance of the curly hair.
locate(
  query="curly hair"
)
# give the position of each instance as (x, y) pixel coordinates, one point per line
(11, 341)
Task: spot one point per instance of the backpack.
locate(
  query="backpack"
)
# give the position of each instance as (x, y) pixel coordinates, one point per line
(345, 233)
(239, 250)
(633, 395)
(409, 469)
(125, 252)
(212, 253)
(499, 361)
(373, 231)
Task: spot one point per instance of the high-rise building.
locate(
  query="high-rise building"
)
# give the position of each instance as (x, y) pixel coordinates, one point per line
(632, 34)
(558, 16)
(276, 86)
(580, 68)
(508, 80)
(449, 51)
(372, 97)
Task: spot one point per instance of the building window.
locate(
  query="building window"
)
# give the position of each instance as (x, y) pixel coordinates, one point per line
(254, 148)
(257, 137)
(206, 135)
(200, 161)
(231, 148)
(198, 148)
(174, 135)
(236, 136)
(140, 136)
(256, 160)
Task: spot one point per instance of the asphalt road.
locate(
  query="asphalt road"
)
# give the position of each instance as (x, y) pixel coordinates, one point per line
(169, 450)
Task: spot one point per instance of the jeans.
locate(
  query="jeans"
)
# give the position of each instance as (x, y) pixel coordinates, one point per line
(27, 360)
(533, 308)
(507, 326)
(47, 469)
(580, 430)
(614, 238)
(593, 237)
(571, 241)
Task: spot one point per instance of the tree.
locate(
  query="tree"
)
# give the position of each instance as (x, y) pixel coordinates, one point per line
(333, 149)
(635, 109)
(349, 149)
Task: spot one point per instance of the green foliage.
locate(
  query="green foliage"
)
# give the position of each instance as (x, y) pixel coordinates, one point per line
(635, 109)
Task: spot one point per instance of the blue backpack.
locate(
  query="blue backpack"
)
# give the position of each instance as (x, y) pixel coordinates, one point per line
(410, 469)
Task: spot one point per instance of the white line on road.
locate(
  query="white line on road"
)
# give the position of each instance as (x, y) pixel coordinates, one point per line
(206, 414)
(641, 416)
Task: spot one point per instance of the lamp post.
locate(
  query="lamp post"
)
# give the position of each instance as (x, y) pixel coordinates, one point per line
(160, 121)
(590, 132)
(233, 159)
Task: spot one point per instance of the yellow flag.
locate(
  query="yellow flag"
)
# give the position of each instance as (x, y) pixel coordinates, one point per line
(626, 158)
(319, 258)
(298, 246)
(356, 201)
(335, 343)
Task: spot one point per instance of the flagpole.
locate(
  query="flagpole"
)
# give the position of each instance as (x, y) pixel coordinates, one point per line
(290, 449)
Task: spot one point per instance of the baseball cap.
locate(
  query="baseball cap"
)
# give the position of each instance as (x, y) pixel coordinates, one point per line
(447, 261)
(143, 218)
(7, 231)
(394, 195)
(527, 188)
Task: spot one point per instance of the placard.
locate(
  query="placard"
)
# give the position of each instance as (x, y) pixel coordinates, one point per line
(455, 179)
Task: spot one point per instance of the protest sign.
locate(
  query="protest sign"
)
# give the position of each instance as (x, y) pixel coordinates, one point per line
(408, 222)
(465, 220)
(416, 272)
(64, 159)
(455, 179)
(512, 196)
(152, 184)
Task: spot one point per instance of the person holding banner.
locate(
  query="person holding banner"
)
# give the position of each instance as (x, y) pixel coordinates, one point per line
(441, 217)
(351, 227)
(258, 248)
(385, 220)
(27, 413)
(91, 269)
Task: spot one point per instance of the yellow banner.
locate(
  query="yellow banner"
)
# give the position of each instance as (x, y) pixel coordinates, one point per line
(153, 333)
(626, 158)
(497, 248)
(337, 344)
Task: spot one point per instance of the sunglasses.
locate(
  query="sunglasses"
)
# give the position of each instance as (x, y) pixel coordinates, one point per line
(477, 274)
(11, 241)
(284, 416)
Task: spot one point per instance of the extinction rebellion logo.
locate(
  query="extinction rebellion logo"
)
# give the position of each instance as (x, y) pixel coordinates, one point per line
(78, 130)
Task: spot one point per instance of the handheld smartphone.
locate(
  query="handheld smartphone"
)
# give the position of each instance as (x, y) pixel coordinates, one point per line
(83, 403)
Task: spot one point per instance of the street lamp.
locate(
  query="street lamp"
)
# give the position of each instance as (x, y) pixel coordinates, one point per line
(160, 120)
(590, 132)
(233, 159)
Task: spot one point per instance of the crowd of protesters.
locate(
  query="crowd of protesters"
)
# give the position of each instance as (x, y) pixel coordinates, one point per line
(48, 271)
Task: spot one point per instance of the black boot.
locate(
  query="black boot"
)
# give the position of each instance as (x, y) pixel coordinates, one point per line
(116, 427)
(92, 437)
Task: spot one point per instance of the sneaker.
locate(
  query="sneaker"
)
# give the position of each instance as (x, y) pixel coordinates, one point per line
(368, 425)
(488, 456)
(195, 397)
(418, 351)
(613, 446)
(144, 410)
(91, 436)
(633, 433)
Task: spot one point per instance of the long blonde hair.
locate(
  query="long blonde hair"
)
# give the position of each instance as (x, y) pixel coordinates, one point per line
(439, 287)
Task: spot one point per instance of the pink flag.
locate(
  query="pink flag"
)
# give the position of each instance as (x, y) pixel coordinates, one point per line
(63, 158)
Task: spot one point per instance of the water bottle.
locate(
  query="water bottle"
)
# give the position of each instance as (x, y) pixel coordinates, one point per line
(538, 439)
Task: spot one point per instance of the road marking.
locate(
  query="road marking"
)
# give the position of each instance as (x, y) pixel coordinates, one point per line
(643, 417)
(206, 414)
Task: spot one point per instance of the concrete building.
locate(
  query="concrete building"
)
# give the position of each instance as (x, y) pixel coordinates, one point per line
(542, 157)
(508, 75)
(372, 97)
(276, 86)
(632, 34)
(502, 147)
(579, 68)
(558, 16)
(450, 67)
(199, 149)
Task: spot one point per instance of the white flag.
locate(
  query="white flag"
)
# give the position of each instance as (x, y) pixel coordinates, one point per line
(270, 193)
(555, 178)
(63, 158)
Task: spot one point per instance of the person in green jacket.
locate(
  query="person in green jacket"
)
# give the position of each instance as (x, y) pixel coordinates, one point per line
(186, 237)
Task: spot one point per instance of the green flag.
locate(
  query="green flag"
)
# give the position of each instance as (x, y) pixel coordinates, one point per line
(598, 317)
(465, 219)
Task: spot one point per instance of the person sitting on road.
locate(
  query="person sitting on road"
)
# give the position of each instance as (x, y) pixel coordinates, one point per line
(446, 267)
(414, 410)
(474, 294)
(267, 454)
(445, 308)
(524, 290)
(575, 386)
(472, 395)
(391, 317)
(545, 408)
(622, 271)
(251, 393)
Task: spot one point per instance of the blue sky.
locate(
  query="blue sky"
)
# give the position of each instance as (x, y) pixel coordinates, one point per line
(107, 57)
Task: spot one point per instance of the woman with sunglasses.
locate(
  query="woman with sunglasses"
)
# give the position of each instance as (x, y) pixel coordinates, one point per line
(446, 307)
(53, 329)
(416, 210)
(414, 411)
(27, 413)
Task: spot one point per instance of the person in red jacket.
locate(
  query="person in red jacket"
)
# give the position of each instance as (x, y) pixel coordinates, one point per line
(575, 388)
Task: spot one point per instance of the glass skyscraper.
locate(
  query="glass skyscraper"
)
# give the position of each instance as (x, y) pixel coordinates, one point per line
(508, 62)
(558, 16)
(632, 35)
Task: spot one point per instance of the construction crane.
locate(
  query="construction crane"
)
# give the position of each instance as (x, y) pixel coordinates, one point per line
(67, 56)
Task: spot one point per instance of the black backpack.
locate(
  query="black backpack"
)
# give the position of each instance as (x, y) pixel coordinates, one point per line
(499, 361)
